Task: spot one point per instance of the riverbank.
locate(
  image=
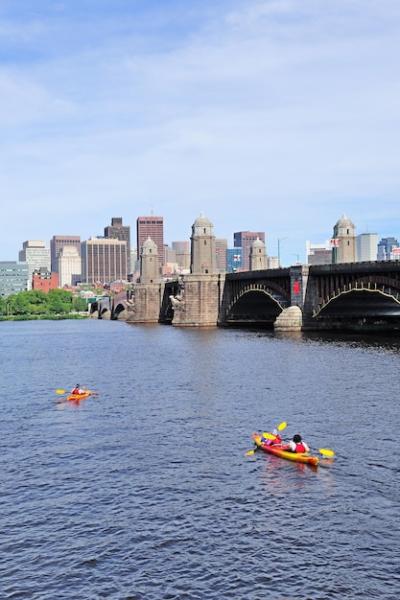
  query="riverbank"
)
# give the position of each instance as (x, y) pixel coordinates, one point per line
(45, 317)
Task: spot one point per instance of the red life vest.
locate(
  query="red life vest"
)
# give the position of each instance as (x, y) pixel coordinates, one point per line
(300, 448)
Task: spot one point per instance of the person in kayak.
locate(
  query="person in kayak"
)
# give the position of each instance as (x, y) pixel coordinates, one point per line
(77, 390)
(298, 445)
(276, 441)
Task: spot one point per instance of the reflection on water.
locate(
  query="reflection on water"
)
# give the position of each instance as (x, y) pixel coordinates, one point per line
(145, 492)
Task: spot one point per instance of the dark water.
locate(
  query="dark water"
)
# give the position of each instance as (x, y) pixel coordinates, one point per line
(145, 492)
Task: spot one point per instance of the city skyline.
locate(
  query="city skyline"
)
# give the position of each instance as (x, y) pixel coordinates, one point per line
(119, 108)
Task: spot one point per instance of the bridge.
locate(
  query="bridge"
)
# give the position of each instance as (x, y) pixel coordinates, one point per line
(348, 296)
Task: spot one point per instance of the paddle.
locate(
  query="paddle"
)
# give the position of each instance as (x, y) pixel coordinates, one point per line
(326, 452)
(268, 436)
(60, 391)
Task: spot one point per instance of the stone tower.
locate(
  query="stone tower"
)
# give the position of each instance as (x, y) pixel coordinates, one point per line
(149, 263)
(344, 242)
(258, 256)
(203, 252)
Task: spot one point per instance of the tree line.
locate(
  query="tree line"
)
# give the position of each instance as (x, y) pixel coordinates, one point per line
(37, 304)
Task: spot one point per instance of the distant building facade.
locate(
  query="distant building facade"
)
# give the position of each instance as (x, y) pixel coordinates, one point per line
(36, 255)
(318, 254)
(118, 231)
(151, 227)
(366, 247)
(244, 240)
(69, 266)
(386, 246)
(60, 241)
(13, 277)
(182, 254)
(233, 260)
(104, 260)
(203, 255)
(44, 280)
(221, 247)
(344, 241)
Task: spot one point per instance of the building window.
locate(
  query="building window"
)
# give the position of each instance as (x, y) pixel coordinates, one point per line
(205, 270)
(205, 242)
(348, 231)
(348, 243)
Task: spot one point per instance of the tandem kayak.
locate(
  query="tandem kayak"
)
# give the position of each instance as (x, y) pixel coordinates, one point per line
(277, 451)
(77, 397)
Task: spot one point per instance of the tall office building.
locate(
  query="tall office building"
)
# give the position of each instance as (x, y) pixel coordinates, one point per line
(13, 277)
(69, 266)
(104, 260)
(221, 247)
(344, 241)
(59, 241)
(151, 227)
(366, 247)
(36, 255)
(233, 260)
(118, 231)
(182, 253)
(244, 240)
(385, 248)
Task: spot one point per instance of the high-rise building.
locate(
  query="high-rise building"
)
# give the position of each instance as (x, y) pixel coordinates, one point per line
(59, 241)
(36, 255)
(233, 260)
(203, 256)
(69, 266)
(182, 253)
(13, 277)
(366, 247)
(319, 254)
(386, 246)
(221, 246)
(244, 240)
(343, 242)
(118, 231)
(104, 260)
(151, 227)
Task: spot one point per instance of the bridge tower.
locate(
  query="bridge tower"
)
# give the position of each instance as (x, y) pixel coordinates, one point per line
(149, 263)
(344, 234)
(203, 252)
(258, 256)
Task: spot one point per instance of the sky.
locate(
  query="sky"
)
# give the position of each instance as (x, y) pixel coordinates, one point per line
(265, 115)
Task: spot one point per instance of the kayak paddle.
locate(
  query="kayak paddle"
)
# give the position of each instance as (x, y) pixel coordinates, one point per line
(326, 452)
(60, 391)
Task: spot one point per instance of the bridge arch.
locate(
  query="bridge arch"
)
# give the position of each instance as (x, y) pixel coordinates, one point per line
(255, 303)
(379, 294)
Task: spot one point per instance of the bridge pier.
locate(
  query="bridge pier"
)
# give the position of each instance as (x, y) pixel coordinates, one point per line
(146, 303)
(199, 301)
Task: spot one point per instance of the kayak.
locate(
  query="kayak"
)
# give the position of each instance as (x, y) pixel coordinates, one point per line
(77, 397)
(277, 451)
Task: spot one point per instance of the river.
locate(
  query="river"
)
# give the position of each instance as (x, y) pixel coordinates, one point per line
(144, 492)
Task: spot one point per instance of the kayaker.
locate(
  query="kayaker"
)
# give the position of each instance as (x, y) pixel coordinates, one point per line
(77, 390)
(277, 440)
(297, 444)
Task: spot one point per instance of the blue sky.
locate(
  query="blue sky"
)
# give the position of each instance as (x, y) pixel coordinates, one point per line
(273, 115)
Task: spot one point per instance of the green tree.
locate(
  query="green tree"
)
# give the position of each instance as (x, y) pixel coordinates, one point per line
(59, 301)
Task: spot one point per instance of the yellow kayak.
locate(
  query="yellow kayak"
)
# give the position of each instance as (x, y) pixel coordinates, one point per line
(277, 450)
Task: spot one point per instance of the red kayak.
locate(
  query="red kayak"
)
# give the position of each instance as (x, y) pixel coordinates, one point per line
(277, 450)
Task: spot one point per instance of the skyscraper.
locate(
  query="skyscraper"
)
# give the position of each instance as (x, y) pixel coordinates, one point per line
(221, 247)
(36, 255)
(13, 277)
(69, 266)
(151, 227)
(244, 240)
(366, 247)
(59, 241)
(104, 260)
(118, 231)
(182, 253)
(385, 247)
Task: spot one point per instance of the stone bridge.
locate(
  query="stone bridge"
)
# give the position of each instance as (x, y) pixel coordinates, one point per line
(356, 296)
